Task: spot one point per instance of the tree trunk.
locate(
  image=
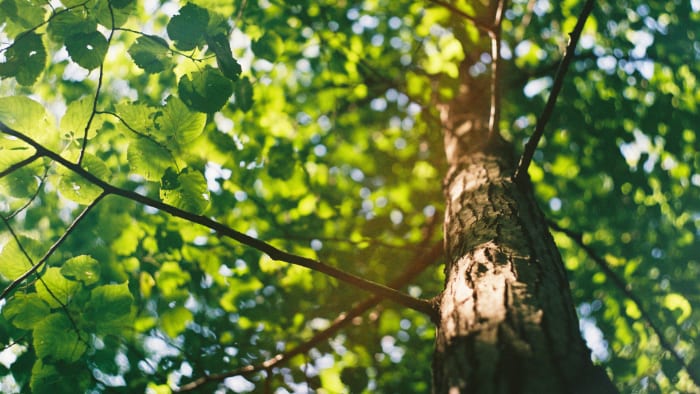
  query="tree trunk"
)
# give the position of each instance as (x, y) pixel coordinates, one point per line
(507, 319)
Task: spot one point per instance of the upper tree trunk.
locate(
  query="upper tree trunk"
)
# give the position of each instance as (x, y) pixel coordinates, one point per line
(507, 319)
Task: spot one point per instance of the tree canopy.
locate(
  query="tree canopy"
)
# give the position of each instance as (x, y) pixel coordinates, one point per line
(224, 195)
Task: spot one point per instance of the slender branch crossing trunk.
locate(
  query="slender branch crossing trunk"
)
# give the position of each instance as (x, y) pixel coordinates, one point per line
(507, 321)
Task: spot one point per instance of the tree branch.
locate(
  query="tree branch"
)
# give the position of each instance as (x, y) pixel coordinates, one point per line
(53, 247)
(622, 286)
(100, 77)
(521, 173)
(418, 266)
(417, 304)
(19, 164)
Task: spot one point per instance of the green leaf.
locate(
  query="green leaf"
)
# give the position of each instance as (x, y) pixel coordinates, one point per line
(83, 268)
(149, 159)
(150, 53)
(224, 59)
(47, 378)
(21, 183)
(187, 191)
(55, 289)
(187, 28)
(243, 91)
(25, 59)
(269, 47)
(170, 280)
(13, 151)
(76, 117)
(55, 338)
(207, 91)
(13, 262)
(66, 24)
(110, 308)
(174, 321)
(25, 310)
(281, 160)
(120, 3)
(178, 121)
(109, 16)
(28, 117)
(355, 378)
(20, 16)
(73, 187)
(87, 49)
(137, 116)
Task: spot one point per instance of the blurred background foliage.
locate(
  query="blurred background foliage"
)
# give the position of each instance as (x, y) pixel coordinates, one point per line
(321, 136)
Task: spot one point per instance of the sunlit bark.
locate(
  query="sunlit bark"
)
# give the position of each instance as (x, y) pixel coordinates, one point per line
(507, 319)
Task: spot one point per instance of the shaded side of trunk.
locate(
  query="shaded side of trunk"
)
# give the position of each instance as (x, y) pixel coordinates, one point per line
(507, 320)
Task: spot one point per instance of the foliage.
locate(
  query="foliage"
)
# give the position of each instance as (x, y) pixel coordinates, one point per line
(312, 125)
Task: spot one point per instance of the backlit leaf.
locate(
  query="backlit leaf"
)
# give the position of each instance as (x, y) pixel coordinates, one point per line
(83, 268)
(174, 321)
(75, 119)
(150, 53)
(25, 310)
(187, 28)
(188, 191)
(13, 261)
(224, 59)
(205, 91)
(87, 49)
(149, 159)
(178, 121)
(27, 116)
(55, 338)
(74, 187)
(109, 307)
(66, 24)
(55, 289)
(25, 60)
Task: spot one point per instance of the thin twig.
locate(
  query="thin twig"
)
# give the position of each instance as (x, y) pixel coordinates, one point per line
(143, 135)
(99, 87)
(53, 247)
(239, 16)
(53, 295)
(521, 173)
(418, 266)
(19, 164)
(32, 29)
(165, 45)
(622, 286)
(421, 305)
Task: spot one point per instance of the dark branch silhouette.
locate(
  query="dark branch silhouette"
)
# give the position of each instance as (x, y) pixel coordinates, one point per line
(415, 268)
(421, 305)
(35, 267)
(16, 166)
(622, 286)
(521, 173)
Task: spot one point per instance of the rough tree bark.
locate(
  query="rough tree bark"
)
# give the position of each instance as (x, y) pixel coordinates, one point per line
(507, 320)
